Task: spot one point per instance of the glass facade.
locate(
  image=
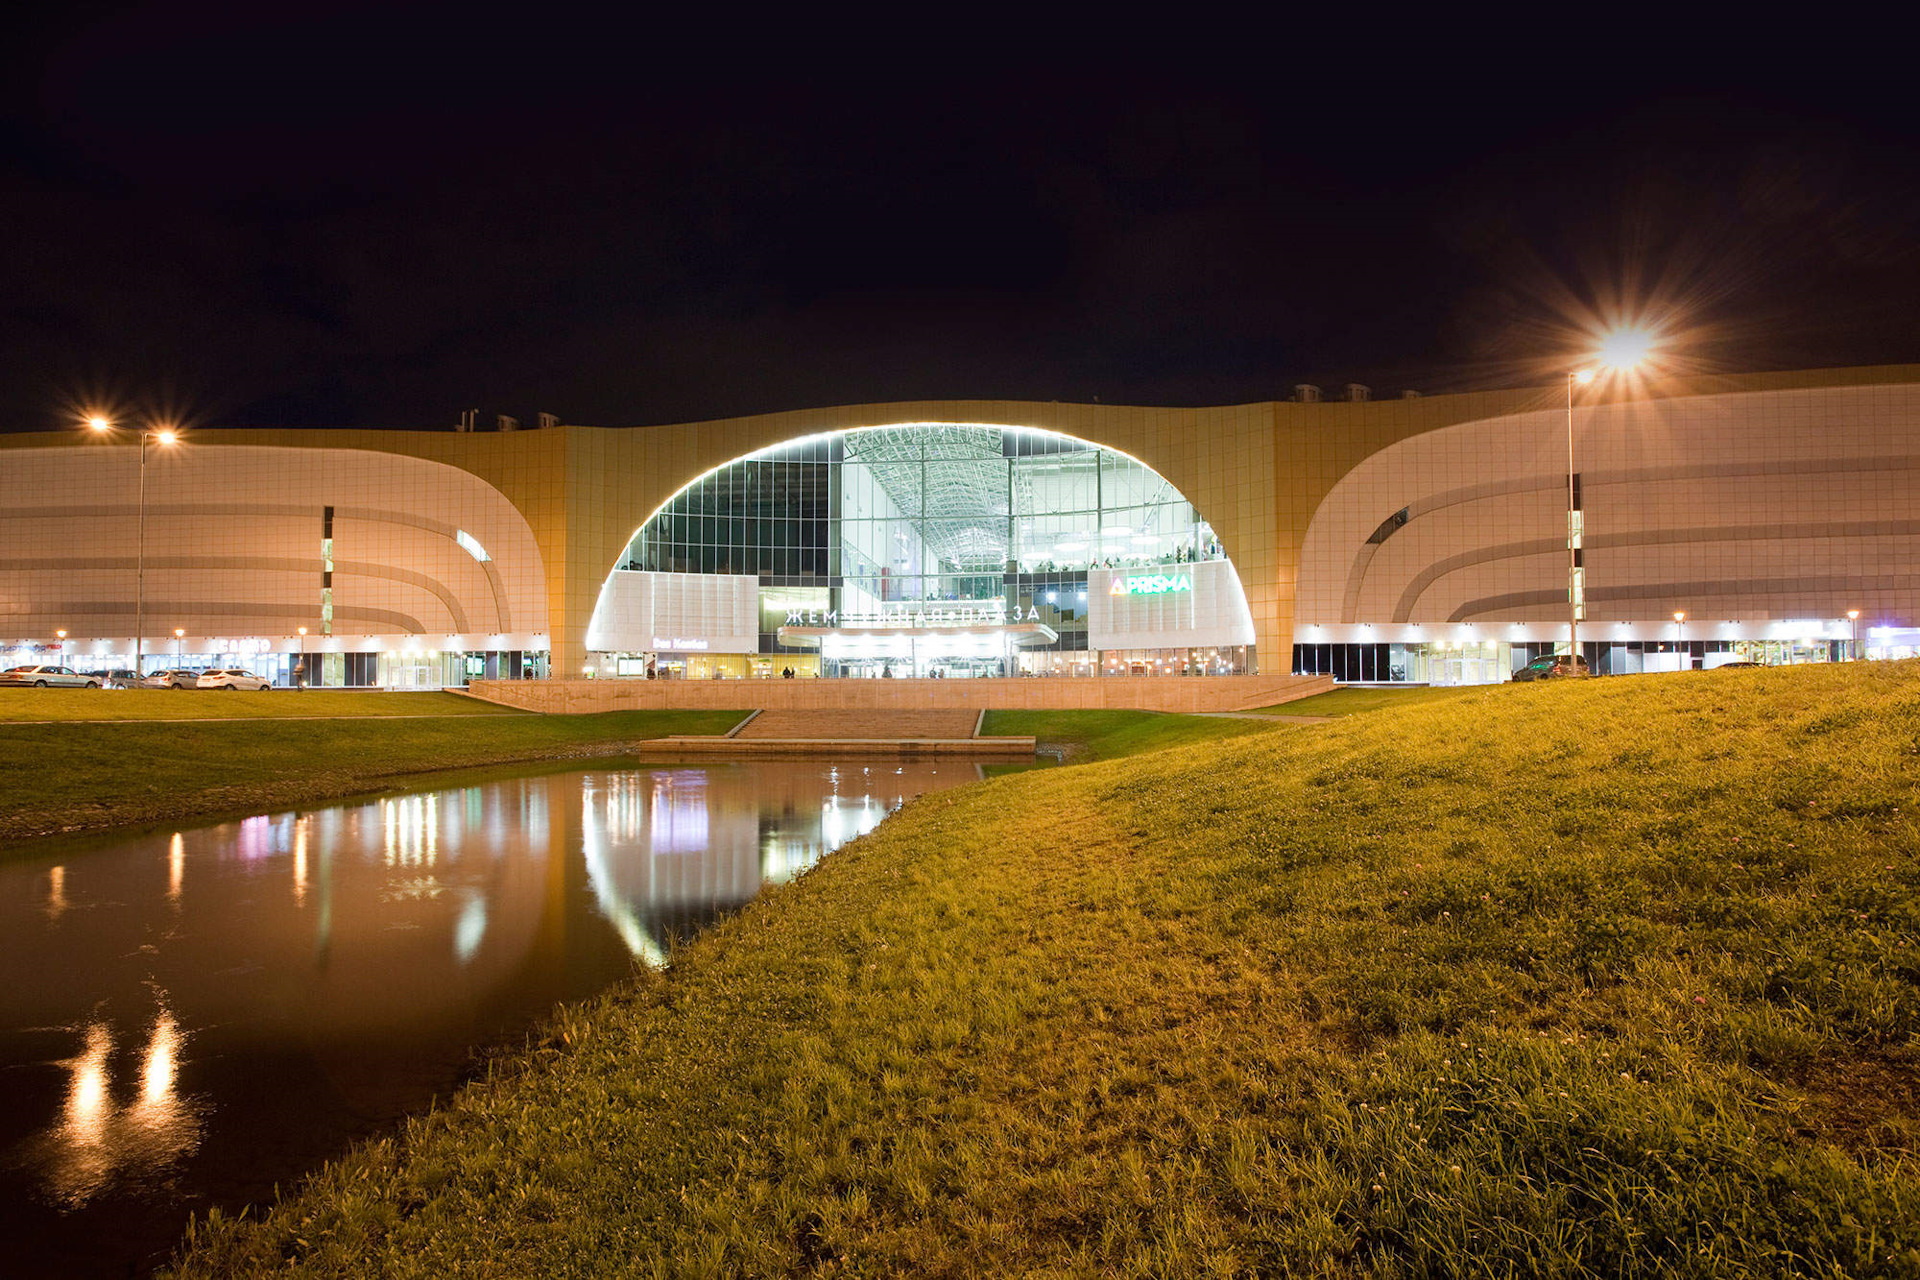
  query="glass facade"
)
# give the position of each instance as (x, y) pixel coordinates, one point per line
(1491, 662)
(990, 522)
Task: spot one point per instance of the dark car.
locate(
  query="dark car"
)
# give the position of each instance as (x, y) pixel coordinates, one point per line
(1552, 666)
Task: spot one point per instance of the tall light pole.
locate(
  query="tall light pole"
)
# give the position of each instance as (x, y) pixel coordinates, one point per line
(1679, 663)
(1576, 520)
(164, 436)
(305, 675)
(1853, 620)
(1621, 350)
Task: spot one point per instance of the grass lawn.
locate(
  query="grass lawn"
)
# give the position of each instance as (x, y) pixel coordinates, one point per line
(18, 705)
(1105, 735)
(81, 776)
(1346, 702)
(1612, 978)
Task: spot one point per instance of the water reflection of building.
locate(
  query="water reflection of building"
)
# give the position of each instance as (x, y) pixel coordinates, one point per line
(669, 850)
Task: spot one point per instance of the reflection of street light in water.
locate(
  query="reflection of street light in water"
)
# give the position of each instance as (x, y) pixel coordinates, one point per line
(93, 1139)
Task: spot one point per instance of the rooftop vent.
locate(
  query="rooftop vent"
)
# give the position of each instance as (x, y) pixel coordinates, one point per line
(1357, 393)
(546, 420)
(1409, 395)
(505, 423)
(1307, 393)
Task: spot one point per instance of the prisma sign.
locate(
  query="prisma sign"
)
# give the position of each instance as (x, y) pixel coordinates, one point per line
(1150, 584)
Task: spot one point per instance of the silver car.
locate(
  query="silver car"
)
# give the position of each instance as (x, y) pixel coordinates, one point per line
(233, 678)
(42, 677)
(176, 678)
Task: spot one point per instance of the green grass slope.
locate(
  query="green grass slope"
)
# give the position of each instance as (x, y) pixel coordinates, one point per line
(1108, 735)
(1346, 702)
(1617, 978)
(87, 776)
(60, 705)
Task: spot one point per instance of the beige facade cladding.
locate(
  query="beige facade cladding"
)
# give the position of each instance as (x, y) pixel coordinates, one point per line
(1756, 514)
(1258, 473)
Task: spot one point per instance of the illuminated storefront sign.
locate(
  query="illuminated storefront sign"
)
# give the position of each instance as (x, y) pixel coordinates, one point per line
(1150, 584)
(992, 613)
(678, 644)
(239, 644)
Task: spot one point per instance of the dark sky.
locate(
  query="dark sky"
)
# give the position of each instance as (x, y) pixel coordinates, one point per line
(380, 215)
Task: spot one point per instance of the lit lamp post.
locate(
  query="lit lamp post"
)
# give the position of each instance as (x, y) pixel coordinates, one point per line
(1620, 351)
(1853, 620)
(179, 634)
(164, 436)
(302, 668)
(1679, 663)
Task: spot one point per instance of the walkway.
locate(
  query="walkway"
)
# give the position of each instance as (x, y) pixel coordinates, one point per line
(860, 724)
(864, 731)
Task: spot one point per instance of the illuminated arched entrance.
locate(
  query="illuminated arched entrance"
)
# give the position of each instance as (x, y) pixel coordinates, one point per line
(940, 550)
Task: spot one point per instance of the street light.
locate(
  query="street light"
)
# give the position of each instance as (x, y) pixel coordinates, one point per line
(166, 436)
(1620, 351)
(1679, 663)
(301, 682)
(1853, 619)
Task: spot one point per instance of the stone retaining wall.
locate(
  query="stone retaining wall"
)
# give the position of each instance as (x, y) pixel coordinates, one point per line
(1139, 693)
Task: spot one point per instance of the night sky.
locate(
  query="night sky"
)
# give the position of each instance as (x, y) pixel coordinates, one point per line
(360, 215)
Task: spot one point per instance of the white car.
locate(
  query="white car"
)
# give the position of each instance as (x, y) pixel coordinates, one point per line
(233, 679)
(45, 676)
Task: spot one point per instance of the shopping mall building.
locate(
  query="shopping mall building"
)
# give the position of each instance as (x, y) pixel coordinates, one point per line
(1413, 539)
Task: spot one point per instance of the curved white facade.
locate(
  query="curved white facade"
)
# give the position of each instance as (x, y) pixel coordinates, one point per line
(1759, 516)
(236, 550)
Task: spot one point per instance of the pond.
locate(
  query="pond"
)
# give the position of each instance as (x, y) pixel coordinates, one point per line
(190, 1018)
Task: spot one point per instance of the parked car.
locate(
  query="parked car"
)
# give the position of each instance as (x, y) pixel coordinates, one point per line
(1552, 666)
(46, 676)
(175, 678)
(120, 678)
(233, 678)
